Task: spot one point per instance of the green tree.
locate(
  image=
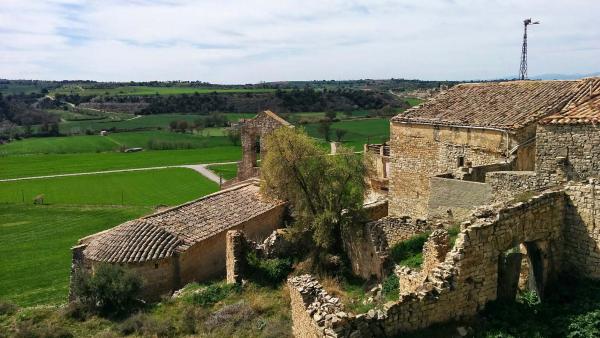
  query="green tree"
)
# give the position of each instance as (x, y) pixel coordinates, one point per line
(325, 192)
(325, 130)
(339, 134)
(234, 136)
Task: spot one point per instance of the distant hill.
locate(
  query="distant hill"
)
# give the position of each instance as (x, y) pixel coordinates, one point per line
(563, 76)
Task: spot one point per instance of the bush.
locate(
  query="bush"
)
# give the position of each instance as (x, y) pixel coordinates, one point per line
(391, 287)
(268, 271)
(409, 250)
(585, 326)
(232, 314)
(213, 293)
(111, 291)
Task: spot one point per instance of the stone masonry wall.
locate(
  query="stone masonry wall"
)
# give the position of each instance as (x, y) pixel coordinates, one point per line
(567, 152)
(463, 283)
(505, 185)
(582, 230)
(419, 152)
(456, 199)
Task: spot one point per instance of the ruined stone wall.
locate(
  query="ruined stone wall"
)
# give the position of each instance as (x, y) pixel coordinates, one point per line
(421, 151)
(455, 199)
(505, 185)
(464, 282)
(582, 228)
(567, 152)
(368, 248)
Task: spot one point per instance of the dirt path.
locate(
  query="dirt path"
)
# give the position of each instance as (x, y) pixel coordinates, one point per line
(200, 168)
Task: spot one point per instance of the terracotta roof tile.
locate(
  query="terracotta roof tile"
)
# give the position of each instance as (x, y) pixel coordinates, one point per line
(584, 107)
(159, 235)
(504, 105)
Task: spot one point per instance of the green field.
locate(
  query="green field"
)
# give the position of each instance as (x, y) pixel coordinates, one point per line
(143, 90)
(413, 101)
(358, 133)
(35, 247)
(144, 121)
(35, 236)
(40, 165)
(227, 171)
(147, 188)
(115, 141)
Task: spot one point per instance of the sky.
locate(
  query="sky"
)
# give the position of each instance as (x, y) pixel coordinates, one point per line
(248, 41)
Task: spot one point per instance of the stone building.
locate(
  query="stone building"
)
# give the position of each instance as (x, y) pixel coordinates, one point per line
(443, 150)
(183, 244)
(252, 131)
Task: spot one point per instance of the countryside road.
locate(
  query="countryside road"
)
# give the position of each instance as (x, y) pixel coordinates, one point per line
(200, 168)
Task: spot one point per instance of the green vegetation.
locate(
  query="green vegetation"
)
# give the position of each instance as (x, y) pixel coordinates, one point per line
(358, 133)
(39, 165)
(145, 90)
(409, 252)
(268, 271)
(227, 171)
(116, 141)
(35, 246)
(145, 188)
(111, 291)
(142, 122)
(412, 101)
(227, 311)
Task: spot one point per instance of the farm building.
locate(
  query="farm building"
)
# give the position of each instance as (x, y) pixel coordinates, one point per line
(441, 151)
(183, 244)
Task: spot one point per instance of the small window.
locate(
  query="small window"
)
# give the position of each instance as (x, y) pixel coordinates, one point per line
(461, 161)
(156, 265)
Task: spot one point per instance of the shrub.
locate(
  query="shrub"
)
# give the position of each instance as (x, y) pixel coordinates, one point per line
(391, 287)
(585, 326)
(409, 249)
(213, 293)
(133, 324)
(268, 271)
(112, 290)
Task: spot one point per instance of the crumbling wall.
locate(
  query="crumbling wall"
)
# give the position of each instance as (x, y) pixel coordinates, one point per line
(465, 281)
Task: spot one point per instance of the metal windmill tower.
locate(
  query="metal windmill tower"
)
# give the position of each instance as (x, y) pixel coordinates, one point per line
(523, 69)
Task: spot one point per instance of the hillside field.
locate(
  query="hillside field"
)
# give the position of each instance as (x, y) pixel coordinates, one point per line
(358, 133)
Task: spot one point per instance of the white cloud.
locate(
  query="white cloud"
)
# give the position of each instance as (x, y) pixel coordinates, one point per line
(237, 41)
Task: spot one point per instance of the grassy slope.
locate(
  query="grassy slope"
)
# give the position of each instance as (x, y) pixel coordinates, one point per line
(97, 143)
(147, 188)
(227, 171)
(38, 165)
(35, 247)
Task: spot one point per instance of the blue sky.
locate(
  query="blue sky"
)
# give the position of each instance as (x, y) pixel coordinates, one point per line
(246, 41)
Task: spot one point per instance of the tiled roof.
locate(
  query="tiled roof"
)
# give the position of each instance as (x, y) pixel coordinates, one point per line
(159, 235)
(584, 108)
(504, 105)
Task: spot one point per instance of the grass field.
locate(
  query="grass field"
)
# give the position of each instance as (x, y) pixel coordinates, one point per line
(114, 141)
(143, 90)
(227, 171)
(35, 247)
(40, 165)
(413, 101)
(41, 235)
(144, 121)
(143, 188)
(358, 133)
